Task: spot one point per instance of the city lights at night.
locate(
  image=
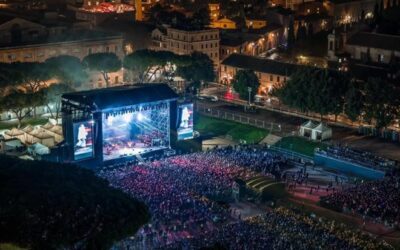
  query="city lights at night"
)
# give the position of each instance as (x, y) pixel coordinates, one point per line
(199, 124)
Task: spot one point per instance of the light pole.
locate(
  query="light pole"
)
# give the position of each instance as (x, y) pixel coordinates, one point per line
(249, 89)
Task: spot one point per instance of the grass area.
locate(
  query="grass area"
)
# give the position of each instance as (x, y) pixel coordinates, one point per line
(8, 246)
(25, 122)
(237, 131)
(300, 145)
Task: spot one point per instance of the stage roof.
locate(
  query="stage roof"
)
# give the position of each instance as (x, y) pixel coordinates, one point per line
(122, 96)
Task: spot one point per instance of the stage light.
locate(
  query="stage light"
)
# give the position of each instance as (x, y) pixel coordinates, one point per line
(110, 120)
(140, 117)
(127, 117)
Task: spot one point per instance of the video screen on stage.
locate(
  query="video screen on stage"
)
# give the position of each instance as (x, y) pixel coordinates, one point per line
(185, 121)
(136, 130)
(83, 140)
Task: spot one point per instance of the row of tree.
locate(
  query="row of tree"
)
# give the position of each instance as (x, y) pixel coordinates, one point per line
(328, 92)
(30, 85)
(144, 65)
(32, 76)
(333, 93)
(22, 104)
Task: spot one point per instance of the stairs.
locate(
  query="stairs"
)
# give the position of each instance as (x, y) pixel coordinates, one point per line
(270, 139)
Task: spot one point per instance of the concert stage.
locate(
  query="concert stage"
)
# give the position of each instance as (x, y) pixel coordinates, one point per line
(113, 123)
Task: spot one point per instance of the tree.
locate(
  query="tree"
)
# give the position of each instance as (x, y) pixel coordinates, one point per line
(52, 96)
(21, 104)
(310, 32)
(291, 37)
(144, 64)
(381, 102)
(295, 92)
(301, 32)
(7, 77)
(316, 90)
(199, 69)
(32, 75)
(354, 102)
(243, 80)
(105, 63)
(201, 18)
(68, 69)
(47, 205)
(376, 12)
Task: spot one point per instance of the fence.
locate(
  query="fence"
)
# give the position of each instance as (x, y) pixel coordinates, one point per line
(238, 118)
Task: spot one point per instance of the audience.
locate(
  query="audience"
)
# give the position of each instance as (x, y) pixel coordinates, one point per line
(379, 200)
(182, 193)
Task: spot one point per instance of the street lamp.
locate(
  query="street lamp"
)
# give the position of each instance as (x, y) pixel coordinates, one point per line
(249, 89)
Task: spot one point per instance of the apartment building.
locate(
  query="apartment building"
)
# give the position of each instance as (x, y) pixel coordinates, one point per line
(186, 41)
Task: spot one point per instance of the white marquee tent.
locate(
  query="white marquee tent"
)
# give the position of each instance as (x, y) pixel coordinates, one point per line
(313, 131)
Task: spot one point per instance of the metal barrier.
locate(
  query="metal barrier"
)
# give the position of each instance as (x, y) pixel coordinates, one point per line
(238, 118)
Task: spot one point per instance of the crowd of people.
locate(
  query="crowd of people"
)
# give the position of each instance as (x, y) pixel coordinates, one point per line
(359, 157)
(282, 228)
(187, 196)
(379, 200)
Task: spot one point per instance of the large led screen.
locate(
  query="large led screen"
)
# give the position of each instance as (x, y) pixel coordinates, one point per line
(185, 121)
(135, 130)
(83, 140)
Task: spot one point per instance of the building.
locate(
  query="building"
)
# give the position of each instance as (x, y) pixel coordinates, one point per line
(289, 4)
(230, 24)
(253, 42)
(223, 23)
(255, 22)
(314, 23)
(97, 11)
(270, 73)
(186, 41)
(366, 47)
(281, 16)
(349, 11)
(374, 47)
(233, 45)
(214, 10)
(26, 41)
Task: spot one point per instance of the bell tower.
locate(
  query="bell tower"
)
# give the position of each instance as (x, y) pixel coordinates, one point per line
(332, 46)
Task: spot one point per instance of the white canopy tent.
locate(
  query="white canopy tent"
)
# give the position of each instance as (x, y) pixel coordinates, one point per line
(317, 132)
(42, 136)
(38, 149)
(321, 132)
(306, 128)
(15, 133)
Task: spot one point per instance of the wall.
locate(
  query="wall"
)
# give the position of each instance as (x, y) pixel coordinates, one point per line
(347, 167)
(41, 52)
(267, 81)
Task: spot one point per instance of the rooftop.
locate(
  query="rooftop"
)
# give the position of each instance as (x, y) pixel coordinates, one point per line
(375, 40)
(260, 64)
(122, 96)
(281, 10)
(68, 36)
